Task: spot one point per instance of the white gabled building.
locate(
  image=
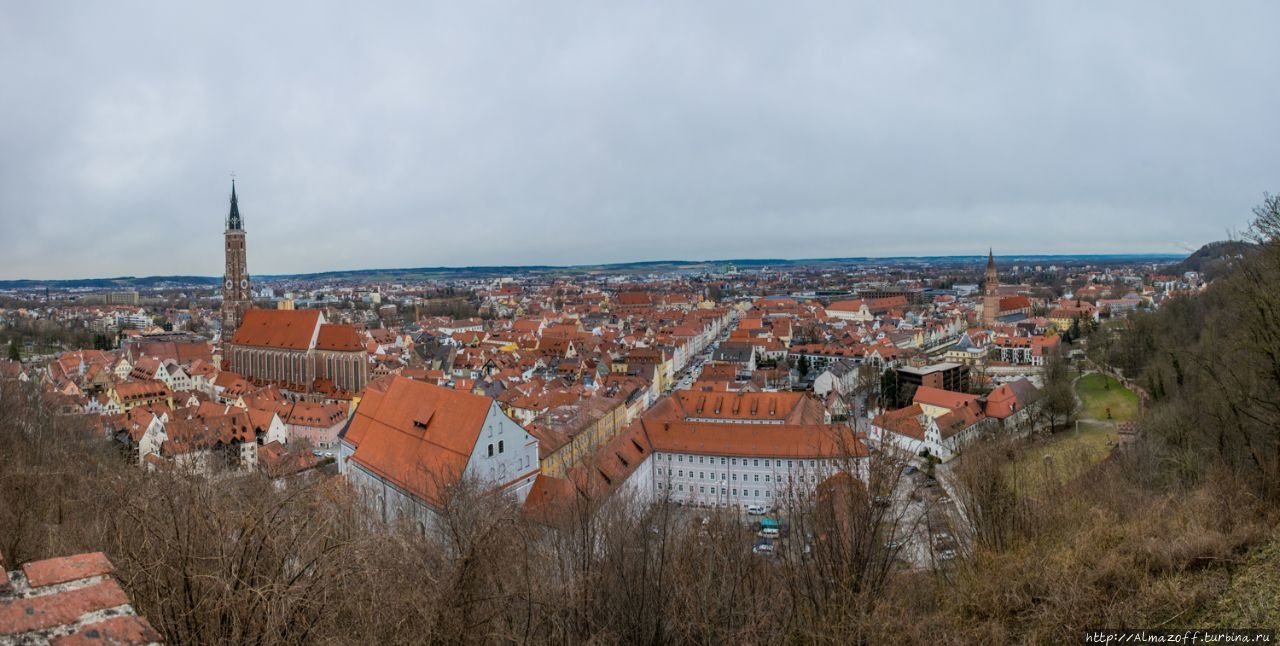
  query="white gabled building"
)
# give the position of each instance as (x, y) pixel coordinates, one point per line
(409, 443)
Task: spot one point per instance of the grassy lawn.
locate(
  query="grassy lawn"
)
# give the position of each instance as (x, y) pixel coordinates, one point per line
(1100, 392)
(1070, 454)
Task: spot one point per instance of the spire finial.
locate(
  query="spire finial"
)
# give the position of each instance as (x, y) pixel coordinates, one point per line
(233, 217)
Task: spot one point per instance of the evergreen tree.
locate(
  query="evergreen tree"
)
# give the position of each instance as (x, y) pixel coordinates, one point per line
(14, 355)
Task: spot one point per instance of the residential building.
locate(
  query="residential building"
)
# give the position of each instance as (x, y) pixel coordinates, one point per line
(411, 443)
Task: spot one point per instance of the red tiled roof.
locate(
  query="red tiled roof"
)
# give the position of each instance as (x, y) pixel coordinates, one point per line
(941, 398)
(762, 440)
(61, 601)
(904, 421)
(846, 306)
(338, 337)
(417, 435)
(286, 329)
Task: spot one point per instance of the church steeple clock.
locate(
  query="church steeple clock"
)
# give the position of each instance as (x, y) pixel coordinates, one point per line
(235, 281)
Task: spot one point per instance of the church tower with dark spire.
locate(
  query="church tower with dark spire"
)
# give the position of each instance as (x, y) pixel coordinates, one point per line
(235, 281)
(990, 293)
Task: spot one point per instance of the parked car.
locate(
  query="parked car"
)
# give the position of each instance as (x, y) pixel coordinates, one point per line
(763, 547)
(757, 510)
(947, 555)
(769, 532)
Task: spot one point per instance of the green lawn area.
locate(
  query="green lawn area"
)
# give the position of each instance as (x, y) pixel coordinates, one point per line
(1100, 392)
(1071, 453)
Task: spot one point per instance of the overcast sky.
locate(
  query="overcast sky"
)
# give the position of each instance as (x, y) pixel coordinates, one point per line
(544, 133)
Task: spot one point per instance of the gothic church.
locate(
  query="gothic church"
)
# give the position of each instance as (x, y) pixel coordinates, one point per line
(295, 350)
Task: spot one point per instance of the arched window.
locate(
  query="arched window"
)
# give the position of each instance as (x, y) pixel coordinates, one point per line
(499, 446)
(490, 450)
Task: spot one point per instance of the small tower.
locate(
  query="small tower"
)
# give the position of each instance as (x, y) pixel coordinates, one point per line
(990, 293)
(235, 284)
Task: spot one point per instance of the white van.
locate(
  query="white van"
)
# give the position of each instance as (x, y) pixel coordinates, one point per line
(757, 510)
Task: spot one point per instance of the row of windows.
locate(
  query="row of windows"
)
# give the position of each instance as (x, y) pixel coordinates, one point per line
(702, 475)
(724, 491)
(755, 462)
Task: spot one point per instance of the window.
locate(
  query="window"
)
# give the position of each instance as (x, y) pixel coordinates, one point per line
(681, 487)
(756, 464)
(766, 478)
(702, 475)
(813, 463)
(722, 460)
(680, 458)
(757, 493)
(735, 492)
(700, 459)
(682, 473)
(788, 464)
(757, 477)
(723, 476)
(490, 450)
(659, 485)
(768, 494)
(500, 446)
(702, 490)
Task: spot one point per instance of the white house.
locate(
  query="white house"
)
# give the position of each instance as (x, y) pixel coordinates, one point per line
(855, 310)
(841, 376)
(410, 443)
(915, 431)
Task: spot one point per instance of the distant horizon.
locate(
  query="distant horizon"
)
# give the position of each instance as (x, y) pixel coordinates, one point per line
(618, 266)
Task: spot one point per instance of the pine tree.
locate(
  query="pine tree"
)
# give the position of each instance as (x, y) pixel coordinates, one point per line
(14, 355)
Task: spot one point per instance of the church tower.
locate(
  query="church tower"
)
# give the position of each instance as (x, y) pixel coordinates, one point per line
(990, 293)
(235, 283)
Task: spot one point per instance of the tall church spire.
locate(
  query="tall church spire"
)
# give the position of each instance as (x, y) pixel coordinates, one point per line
(233, 218)
(990, 292)
(236, 295)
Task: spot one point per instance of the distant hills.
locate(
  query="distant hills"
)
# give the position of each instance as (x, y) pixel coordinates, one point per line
(646, 267)
(1213, 258)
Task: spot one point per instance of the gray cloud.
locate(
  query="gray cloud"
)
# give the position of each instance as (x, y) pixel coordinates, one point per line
(559, 133)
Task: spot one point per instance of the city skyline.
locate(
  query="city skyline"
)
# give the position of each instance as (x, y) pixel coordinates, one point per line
(450, 137)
